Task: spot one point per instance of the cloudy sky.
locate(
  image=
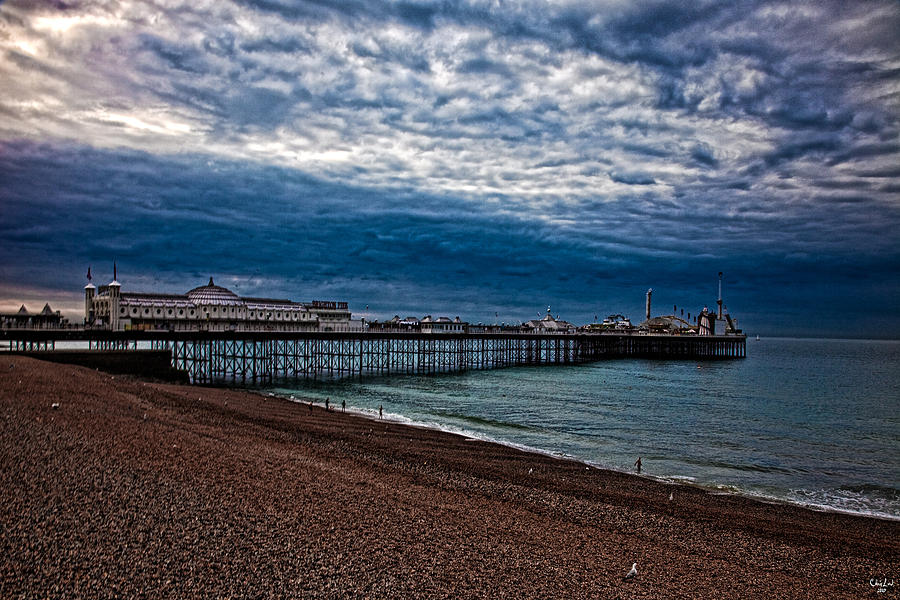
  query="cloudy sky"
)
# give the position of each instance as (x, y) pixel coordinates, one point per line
(476, 158)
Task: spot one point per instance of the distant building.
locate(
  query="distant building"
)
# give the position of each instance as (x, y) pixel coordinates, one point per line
(208, 308)
(706, 323)
(410, 323)
(612, 323)
(549, 325)
(718, 323)
(332, 316)
(669, 324)
(443, 325)
(426, 324)
(497, 328)
(395, 324)
(22, 319)
(709, 323)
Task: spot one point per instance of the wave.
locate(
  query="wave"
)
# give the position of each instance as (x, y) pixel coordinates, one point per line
(745, 467)
(889, 493)
(482, 420)
(863, 499)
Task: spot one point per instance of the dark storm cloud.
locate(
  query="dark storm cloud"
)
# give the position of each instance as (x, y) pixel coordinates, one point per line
(887, 173)
(178, 56)
(632, 178)
(399, 55)
(282, 45)
(142, 209)
(171, 223)
(703, 154)
(818, 146)
(866, 151)
(481, 65)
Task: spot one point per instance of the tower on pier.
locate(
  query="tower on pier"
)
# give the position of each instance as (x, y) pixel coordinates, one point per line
(90, 291)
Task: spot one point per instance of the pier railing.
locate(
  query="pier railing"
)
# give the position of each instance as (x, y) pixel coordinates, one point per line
(256, 358)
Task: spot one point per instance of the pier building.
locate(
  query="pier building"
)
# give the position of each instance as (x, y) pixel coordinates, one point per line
(408, 324)
(705, 323)
(22, 319)
(426, 324)
(208, 308)
(443, 325)
(548, 324)
(670, 324)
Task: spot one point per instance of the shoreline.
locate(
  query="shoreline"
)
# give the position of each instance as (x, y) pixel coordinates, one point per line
(132, 487)
(724, 489)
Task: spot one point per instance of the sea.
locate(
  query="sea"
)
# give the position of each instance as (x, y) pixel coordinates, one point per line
(814, 422)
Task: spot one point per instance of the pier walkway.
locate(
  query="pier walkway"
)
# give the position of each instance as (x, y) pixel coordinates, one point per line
(258, 358)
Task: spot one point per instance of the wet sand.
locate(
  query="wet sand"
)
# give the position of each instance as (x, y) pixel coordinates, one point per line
(139, 489)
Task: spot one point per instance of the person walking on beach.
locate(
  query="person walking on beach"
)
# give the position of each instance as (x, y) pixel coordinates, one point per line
(326, 404)
(379, 411)
(637, 464)
(343, 405)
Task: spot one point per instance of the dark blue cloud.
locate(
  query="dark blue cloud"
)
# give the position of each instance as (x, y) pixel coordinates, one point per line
(263, 230)
(417, 13)
(632, 178)
(703, 154)
(276, 45)
(482, 66)
(862, 151)
(181, 57)
(818, 146)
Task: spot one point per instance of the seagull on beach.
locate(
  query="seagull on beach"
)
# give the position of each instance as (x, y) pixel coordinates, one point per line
(632, 573)
(55, 405)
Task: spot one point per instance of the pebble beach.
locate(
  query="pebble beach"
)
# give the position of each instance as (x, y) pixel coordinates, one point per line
(114, 487)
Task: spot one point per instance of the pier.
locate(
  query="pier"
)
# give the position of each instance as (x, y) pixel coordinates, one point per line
(261, 358)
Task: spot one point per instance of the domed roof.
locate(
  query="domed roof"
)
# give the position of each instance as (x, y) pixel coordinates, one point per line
(213, 294)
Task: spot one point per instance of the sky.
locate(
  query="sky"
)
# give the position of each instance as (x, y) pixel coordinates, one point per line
(481, 159)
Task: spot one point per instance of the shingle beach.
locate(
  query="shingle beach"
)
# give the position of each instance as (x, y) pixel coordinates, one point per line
(138, 489)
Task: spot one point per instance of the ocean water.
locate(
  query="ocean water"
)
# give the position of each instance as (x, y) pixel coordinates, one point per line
(813, 422)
